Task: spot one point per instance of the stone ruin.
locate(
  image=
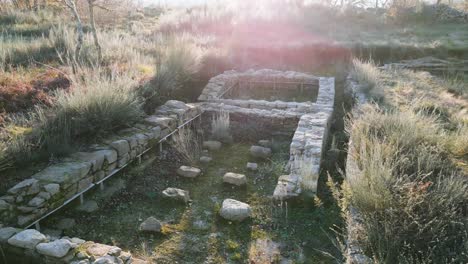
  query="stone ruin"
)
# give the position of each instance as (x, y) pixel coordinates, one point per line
(33, 199)
(310, 120)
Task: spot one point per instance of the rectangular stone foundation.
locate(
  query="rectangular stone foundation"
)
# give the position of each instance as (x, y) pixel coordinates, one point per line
(310, 121)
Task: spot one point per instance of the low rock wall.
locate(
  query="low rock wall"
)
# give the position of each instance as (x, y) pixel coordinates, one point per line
(48, 189)
(310, 120)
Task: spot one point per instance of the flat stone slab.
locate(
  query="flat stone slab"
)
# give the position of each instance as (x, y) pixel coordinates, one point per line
(235, 179)
(260, 152)
(189, 172)
(99, 250)
(28, 238)
(235, 210)
(58, 248)
(176, 194)
(68, 172)
(212, 145)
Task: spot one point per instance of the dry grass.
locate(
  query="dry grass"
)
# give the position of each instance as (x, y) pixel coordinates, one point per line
(220, 126)
(408, 193)
(188, 144)
(369, 76)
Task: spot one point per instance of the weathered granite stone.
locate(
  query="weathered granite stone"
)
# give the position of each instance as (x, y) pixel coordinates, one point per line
(52, 188)
(7, 232)
(121, 146)
(44, 195)
(151, 225)
(235, 178)
(235, 210)
(99, 250)
(212, 145)
(58, 248)
(97, 158)
(28, 238)
(176, 194)
(189, 172)
(24, 186)
(67, 172)
(260, 152)
(4, 205)
(36, 202)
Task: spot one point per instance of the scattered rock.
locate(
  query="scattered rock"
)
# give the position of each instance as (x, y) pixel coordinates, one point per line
(260, 152)
(99, 250)
(7, 232)
(235, 178)
(252, 166)
(107, 260)
(151, 225)
(205, 159)
(58, 248)
(28, 238)
(189, 172)
(235, 210)
(176, 194)
(66, 223)
(212, 145)
(88, 206)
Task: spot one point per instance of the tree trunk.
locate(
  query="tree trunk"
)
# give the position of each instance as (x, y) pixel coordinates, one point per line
(79, 28)
(93, 29)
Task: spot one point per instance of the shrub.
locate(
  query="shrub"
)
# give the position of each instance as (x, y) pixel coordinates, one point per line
(457, 142)
(367, 74)
(188, 145)
(410, 196)
(95, 105)
(220, 126)
(177, 63)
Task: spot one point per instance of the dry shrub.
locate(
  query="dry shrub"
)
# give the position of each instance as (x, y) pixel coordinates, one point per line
(220, 126)
(188, 144)
(411, 198)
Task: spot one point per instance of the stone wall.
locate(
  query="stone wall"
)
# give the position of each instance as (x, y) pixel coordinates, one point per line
(218, 85)
(46, 190)
(308, 143)
(310, 120)
(29, 246)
